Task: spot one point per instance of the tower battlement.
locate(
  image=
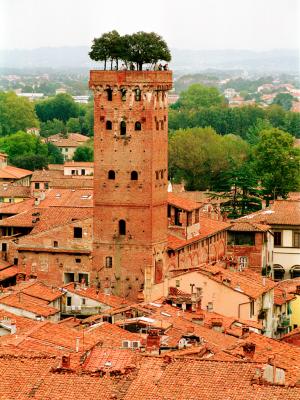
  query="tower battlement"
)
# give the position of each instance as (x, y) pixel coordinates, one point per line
(157, 80)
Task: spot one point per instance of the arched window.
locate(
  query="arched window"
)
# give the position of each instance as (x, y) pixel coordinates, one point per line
(122, 227)
(295, 271)
(109, 125)
(134, 176)
(138, 94)
(137, 126)
(123, 128)
(278, 272)
(157, 125)
(111, 175)
(109, 94)
(161, 125)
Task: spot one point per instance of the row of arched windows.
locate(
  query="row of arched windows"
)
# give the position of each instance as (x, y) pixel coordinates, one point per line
(137, 126)
(134, 176)
(137, 94)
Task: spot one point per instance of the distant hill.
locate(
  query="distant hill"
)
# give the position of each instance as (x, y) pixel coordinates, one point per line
(183, 60)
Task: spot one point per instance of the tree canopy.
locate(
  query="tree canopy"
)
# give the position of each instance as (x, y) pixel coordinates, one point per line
(277, 163)
(139, 48)
(17, 113)
(61, 107)
(198, 96)
(285, 100)
(84, 153)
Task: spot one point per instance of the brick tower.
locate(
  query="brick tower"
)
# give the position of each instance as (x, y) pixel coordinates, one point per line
(130, 179)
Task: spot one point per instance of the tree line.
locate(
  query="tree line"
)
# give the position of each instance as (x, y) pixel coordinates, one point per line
(242, 154)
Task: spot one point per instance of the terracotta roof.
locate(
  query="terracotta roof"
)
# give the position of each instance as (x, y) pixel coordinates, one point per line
(247, 281)
(184, 204)
(46, 175)
(73, 182)
(281, 297)
(282, 212)
(93, 293)
(16, 208)
(40, 290)
(68, 198)
(248, 226)
(10, 172)
(79, 164)
(48, 217)
(8, 273)
(14, 191)
(78, 137)
(28, 303)
(110, 359)
(23, 324)
(208, 227)
(289, 285)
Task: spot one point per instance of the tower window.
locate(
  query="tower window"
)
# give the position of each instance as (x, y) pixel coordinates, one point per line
(138, 94)
(109, 94)
(123, 128)
(122, 227)
(157, 125)
(134, 176)
(162, 125)
(77, 232)
(123, 94)
(111, 175)
(109, 125)
(137, 126)
(108, 262)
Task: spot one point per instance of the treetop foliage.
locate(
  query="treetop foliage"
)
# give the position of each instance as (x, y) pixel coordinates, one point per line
(61, 107)
(139, 48)
(17, 113)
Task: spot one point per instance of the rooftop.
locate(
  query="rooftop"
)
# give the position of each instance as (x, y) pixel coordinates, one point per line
(281, 212)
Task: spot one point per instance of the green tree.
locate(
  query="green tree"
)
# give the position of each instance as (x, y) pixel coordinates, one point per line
(140, 48)
(200, 156)
(84, 153)
(277, 163)
(197, 96)
(54, 154)
(74, 125)
(145, 48)
(31, 161)
(61, 107)
(16, 113)
(49, 128)
(285, 100)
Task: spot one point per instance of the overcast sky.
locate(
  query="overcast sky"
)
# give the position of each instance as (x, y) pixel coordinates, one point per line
(185, 24)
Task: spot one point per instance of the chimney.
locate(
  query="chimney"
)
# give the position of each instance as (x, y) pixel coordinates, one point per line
(153, 340)
(249, 350)
(13, 327)
(65, 361)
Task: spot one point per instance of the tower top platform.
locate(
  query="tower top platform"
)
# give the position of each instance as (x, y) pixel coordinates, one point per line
(158, 80)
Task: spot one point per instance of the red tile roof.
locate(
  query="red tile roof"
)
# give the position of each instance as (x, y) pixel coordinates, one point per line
(16, 208)
(28, 303)
(184, 204)
(110, 359)
(247, 281)
(79, 164)
(14, 191)
(10, 172)
(248, 226)
(282, 212)
(94, 294)
(208, 227)
(8, 273)
(39, 290)
(68, 198)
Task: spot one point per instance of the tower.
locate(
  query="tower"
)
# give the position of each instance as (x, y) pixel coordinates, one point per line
(130, 178)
